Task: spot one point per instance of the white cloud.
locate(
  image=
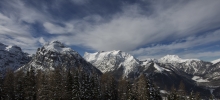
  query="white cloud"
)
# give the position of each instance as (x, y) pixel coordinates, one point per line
(158, 51)
(42, 41)
(127, 30)
(188, 48)
(132, 29)
(12, 29)
(189, 42)
(207, 55)
(28, 44)
(55, 29)
(19, 11)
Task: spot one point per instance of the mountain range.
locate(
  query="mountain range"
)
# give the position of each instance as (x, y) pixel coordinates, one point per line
(168, 71)
(165, 72)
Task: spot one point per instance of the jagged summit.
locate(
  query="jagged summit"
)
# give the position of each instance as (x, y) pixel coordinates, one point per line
(148, 60)
(56, 54)
(10, 48)
(13, 49)
(174, 59)
(12, 57)
(57, 46)
(54, 46)
(113, 60)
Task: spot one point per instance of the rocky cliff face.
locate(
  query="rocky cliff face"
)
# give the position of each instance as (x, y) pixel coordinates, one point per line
(189, 66)
(12, 57)
(116, 61)
(55, 54)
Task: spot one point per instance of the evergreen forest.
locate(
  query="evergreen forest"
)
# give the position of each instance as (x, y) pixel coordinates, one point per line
(77, 84)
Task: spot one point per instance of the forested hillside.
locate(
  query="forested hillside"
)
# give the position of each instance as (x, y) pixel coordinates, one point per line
(75, 84)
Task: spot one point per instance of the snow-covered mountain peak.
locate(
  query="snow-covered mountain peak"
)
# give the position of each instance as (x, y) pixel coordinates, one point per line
(108, 54)
(12, 57)
(158, 67)
(117, 52)
(148, 60)
(56, 46)
(174, 59)
(113, 60)
(10, 48)
(215, 61)
(56, 54)
(171, 57)
(13, 49)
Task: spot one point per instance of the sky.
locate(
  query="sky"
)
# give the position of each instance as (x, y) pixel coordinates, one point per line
(143, 28)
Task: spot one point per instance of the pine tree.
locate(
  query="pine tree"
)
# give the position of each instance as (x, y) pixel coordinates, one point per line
(109, 87)
(1, 86)
(156, 93)
(129, 92)
(69, 85)
(8, 86)
(125, 90)
(211, 97)
(181, 90)
(192, 96)
(104, 86)
(122, 89)
(95, 87)
(43, 86)
(84, 85)
(39, 82)
(112, 88)
(135, 91)
(19, 85)
(173, 95)
(143, 88)
(30, 85)
(88, 91)
(76, 86)
(56, 84)
(197, 96)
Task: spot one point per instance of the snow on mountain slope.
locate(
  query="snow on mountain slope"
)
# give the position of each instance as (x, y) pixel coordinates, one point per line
(215, 61)
(113, 60)
(174, 59)
(160, 69)
(166, 71)
(213, 72)
(190, 66)
(56, 54)
(199, 79)
(12, 57)
(148, 60)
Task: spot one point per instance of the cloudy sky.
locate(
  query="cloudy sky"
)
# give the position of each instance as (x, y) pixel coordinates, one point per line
(144, 28)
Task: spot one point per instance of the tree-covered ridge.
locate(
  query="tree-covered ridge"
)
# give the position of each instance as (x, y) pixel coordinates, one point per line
(76, 84)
